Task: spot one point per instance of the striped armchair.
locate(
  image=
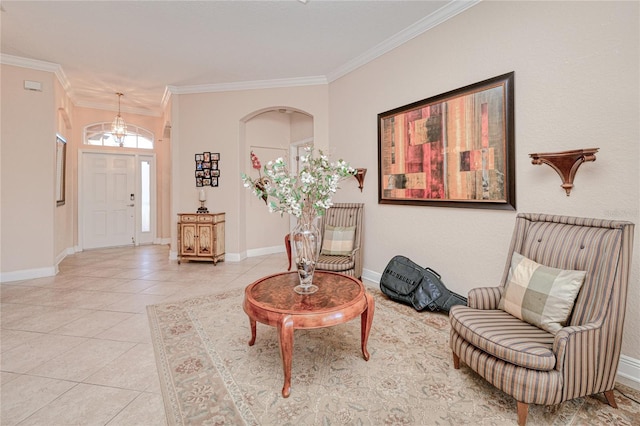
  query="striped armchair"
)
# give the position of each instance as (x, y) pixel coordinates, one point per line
(536, 366)
(340, 214)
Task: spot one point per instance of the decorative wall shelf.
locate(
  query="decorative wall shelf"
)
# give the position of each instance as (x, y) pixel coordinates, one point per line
(566, 163)
(359, 174)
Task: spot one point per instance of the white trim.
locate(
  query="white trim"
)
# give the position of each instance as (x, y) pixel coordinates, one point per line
(370, 275)
(265, 250)
(28, 274)
(246, 85)
(629, 371)
(38, 65)
(441, 15)
(109, 107)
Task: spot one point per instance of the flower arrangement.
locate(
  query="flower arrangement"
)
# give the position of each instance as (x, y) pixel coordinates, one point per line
(306, 193)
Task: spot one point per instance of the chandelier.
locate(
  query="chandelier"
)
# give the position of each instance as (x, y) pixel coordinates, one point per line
(119, 127)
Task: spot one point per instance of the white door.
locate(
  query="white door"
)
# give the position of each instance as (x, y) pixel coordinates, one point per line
(108, 200)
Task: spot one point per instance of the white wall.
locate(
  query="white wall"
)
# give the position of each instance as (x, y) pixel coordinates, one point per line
(576, 86)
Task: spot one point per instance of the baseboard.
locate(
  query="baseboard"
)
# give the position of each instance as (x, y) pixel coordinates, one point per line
(162, 241)
(265, 250)
(27, 274)
(370, 275)
(628, 368)
(629, 372)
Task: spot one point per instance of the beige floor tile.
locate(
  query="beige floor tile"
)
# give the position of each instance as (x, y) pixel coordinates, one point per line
(27, 394)
(133, 329)
(77, 326)
(135, 369)
(6, 377)
(83, 405)
(43, 319)
(134, 286)
(37, 351)
(104, 284)
(13, 338)
(83, 360)
(147, 409)
(93, 323)
(135, 303)
(14, 293)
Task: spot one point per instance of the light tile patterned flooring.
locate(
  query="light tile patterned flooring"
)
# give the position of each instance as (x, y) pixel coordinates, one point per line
(76, 348)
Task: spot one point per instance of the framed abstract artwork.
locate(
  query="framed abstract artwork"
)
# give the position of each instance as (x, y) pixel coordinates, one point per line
(451, 150)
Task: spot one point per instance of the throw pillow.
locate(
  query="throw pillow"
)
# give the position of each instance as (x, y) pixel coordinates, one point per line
(338, 240)
(540, 295)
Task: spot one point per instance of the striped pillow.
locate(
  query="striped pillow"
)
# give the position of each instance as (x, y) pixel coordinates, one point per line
(540, 295)
(338, 240)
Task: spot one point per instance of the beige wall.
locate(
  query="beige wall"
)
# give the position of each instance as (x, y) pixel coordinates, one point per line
(215, 122)
(576, 86)
(268, 135)
(28, 129)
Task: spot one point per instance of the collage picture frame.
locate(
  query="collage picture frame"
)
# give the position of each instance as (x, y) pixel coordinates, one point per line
(207, 172)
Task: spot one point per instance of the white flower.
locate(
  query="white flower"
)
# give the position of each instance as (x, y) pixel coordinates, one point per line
(308, 192)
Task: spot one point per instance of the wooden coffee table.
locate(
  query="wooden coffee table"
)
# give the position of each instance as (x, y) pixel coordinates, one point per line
(272, 301)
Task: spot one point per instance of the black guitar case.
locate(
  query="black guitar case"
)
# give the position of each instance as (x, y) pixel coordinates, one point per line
(407, 282)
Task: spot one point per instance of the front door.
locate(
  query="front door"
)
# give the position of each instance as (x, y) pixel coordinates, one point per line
(108, 200)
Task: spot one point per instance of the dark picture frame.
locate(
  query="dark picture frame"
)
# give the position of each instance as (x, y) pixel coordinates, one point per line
(61, 166)
(206, 168)
(455, 149)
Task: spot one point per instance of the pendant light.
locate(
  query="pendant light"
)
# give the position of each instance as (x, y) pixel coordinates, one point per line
(119, 127)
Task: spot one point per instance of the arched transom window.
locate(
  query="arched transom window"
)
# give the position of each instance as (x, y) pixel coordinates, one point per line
(100, 134)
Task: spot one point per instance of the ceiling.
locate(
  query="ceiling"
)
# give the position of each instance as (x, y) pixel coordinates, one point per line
(147, 49)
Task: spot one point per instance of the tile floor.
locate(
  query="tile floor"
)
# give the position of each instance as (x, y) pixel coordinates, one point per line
(75, 348)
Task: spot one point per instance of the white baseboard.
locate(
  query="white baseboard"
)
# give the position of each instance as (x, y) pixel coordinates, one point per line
(629, 372)
(27, 274)
(628, 368)
(265, 250)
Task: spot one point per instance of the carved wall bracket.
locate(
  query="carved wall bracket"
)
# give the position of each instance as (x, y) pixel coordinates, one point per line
(566, 163)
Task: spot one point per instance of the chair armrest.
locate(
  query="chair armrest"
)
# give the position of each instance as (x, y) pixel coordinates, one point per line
(568, 345)
(484, 297)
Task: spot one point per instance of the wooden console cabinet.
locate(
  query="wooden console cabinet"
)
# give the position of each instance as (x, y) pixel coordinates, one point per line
(201, 237)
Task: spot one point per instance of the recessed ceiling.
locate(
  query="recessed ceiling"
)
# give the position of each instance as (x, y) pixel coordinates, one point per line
(141, 48)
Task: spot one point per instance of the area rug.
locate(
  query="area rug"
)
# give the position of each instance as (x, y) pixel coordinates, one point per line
(210, 375)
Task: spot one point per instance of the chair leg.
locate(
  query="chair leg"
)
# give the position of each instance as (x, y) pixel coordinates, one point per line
(610, 398)
(287, 245)
(523, 411)
(456, 361)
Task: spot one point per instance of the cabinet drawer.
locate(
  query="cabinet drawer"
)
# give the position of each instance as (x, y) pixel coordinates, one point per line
(205, 218)
(188, 218)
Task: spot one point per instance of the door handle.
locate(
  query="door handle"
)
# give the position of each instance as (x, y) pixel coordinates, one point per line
(130, 205)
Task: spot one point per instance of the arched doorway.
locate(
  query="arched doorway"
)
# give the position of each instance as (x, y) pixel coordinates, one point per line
(270, 133)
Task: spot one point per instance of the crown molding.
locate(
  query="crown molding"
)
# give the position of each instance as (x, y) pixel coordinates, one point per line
(441, 15)
(248, 85)
(109, 107)
(39, 66)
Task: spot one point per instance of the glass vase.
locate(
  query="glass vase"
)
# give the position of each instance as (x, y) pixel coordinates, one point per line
(305, 244)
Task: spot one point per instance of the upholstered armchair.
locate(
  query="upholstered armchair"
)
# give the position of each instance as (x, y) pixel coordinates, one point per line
(578, 268)
(343, 215)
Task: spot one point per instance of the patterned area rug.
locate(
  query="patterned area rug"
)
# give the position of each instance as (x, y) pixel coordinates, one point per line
(210, 375)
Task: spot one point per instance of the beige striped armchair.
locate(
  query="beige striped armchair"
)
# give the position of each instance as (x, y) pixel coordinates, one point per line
(534, 365)
(340, 214)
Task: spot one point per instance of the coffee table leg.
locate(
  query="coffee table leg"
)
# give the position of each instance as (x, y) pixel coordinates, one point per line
(252, 323)
(285, 334)
(365, 320)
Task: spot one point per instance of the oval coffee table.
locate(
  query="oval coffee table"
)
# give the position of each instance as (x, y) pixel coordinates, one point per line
(272, 301)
